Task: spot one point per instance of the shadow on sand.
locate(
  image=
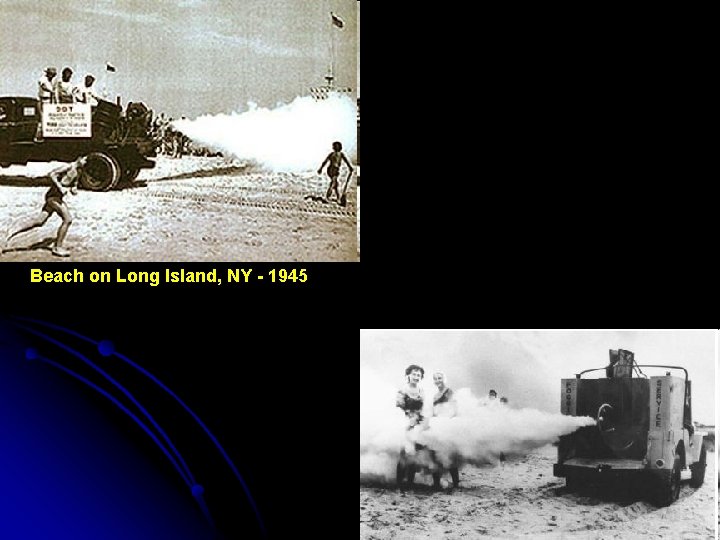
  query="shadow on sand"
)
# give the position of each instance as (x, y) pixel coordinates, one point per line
(38, 181)
(45, 243)
(220, 171)
(25, 181)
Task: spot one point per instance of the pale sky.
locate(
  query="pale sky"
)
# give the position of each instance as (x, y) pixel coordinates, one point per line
(527, 366)
(181, 56)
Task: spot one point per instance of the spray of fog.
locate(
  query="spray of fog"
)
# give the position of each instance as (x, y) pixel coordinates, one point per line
(478, 434)
(291, 138)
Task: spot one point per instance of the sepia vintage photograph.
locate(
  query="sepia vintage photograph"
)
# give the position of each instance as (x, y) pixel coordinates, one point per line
(594, 434)
(179, 130)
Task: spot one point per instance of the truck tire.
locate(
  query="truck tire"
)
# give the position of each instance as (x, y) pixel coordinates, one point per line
(128, 175)
(698, 470)
(102, 172)
(668, 486)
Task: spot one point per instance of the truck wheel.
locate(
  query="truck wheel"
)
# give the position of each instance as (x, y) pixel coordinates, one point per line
(102, 172)
(128, 175)
(668, 488)
(698, 470)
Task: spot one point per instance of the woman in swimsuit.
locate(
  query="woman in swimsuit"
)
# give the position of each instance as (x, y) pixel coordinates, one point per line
(410, 399)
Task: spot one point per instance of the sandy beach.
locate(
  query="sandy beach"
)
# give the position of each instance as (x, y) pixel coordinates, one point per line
(191, 209)
(522, 498)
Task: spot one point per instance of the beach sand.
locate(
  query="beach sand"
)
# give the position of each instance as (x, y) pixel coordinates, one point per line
(192, 209)
(522, 498)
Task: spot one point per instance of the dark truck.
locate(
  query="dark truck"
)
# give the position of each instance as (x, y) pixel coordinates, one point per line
(644, 435)
(118, 148)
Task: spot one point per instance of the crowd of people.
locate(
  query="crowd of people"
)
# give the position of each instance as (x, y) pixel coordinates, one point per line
(411, 399)
(173, 142)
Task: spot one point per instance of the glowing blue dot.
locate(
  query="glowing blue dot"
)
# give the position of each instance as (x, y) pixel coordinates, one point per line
(197, 490)
(106, 347)
(31, 354)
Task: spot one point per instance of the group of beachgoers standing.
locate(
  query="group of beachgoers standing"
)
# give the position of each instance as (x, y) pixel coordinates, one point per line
(411, 399)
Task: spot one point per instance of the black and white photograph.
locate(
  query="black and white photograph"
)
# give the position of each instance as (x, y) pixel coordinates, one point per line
(598, 434)
(179, 130)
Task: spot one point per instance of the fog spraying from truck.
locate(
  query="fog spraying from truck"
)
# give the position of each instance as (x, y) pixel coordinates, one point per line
(293, 137)
(478, 434)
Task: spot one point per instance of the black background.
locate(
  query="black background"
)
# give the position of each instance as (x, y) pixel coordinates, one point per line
(526, 223)
(271, 371)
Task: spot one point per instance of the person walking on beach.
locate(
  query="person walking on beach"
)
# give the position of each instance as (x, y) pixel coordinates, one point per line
(63, 180)
(335, 159)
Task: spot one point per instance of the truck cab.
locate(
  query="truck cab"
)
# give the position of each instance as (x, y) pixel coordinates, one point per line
(118, 148)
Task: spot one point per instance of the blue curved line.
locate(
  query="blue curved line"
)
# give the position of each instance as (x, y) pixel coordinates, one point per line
(122, 408)
(177, 398)
(207, 432)
(119, 387)
(199, 499)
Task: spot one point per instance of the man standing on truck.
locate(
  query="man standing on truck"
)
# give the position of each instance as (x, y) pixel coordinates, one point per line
(46, 94)
(63, 180)
(64, 88)
(45, 86)
(86, 93)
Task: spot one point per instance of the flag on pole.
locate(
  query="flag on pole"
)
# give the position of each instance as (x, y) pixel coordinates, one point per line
(109, 66)
(337, 21)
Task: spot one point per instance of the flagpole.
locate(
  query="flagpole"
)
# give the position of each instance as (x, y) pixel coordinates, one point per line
(332, 44)
(332, 41)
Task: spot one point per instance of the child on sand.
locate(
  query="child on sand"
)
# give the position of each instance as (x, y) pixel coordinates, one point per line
(63, 180)
(335, 158)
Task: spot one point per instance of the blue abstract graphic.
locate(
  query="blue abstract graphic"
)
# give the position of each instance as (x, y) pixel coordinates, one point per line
(72, 473)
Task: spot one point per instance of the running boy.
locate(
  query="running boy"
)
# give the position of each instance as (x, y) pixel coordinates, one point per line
(335, 158)
(63, 179)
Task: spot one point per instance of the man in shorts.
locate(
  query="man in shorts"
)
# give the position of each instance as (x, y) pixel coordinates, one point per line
(63, 180)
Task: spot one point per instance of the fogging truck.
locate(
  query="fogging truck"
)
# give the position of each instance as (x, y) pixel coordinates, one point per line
(117, 144)
(644, 436)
